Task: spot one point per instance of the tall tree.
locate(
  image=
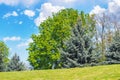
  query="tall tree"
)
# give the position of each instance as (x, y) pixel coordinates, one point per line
(15, 64)
(43, 51)
(3, 55)
(105, 27)
(102, 23)
(79, 49)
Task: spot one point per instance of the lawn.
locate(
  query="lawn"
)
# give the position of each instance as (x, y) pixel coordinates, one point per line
(109, 72)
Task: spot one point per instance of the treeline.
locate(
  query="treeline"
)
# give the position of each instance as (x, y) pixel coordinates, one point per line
(6, 64)
(69, 39)
(74, 39)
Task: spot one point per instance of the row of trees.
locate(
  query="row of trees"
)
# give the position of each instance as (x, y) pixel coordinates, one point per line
(69, 39)
(74, 39)
(7, 64)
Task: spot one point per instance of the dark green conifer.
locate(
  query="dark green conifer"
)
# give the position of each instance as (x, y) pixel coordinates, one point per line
(15, 64)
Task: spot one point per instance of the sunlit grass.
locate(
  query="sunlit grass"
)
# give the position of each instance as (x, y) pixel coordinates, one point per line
(109, 72)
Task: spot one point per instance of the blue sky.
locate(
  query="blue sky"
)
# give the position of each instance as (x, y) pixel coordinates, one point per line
(20, 18)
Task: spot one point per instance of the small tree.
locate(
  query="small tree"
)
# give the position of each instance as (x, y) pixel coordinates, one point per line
(3, 56)
(15, 64)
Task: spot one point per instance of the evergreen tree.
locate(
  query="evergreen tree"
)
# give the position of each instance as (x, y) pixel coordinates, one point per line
(113, 54)
(79, 49)
(15, 64)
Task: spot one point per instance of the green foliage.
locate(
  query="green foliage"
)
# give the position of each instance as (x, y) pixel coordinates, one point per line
(15, 64)
(71, 39)
(79, 49)
(113, 54)
(43, 51)
(3, 56)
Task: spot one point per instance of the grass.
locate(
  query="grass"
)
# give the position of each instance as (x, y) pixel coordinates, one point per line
(109, 72)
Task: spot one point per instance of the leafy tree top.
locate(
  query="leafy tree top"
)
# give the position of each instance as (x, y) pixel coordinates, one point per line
(53, 32)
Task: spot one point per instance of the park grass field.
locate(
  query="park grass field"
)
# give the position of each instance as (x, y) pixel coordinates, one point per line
(109, 72)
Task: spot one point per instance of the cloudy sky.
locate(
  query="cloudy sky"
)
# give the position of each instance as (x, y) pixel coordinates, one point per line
(21, 18)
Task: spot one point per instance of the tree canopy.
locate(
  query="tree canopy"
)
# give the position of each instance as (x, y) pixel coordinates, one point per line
(43, 51)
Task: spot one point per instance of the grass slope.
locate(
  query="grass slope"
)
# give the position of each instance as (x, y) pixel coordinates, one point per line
(111, 72)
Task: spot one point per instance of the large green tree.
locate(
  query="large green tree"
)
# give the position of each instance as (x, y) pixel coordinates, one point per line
(3, 55)
(43, 51)
(79, 48)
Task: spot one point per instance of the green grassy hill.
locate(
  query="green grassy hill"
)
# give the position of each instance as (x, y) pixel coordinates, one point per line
(109, 72)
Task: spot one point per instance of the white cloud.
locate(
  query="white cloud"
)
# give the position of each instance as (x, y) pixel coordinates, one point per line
(10, 2)
(14, 13)
(66, 3)
(98, 10)
(63, 1)
(25, 44)
(113, 7)
(20, 22)
(112, 13)
(29, 3)
(26, 3)
(14, 38)
(46, 10)
(29, 13)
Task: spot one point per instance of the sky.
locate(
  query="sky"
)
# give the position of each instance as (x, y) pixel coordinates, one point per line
(19, 19)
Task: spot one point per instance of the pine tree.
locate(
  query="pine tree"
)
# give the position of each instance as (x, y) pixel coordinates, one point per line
(15, 64)
(78, 50)
(113, 54)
